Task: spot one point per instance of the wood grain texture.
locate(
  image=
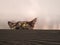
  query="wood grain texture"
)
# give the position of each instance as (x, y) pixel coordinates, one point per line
(29, 37)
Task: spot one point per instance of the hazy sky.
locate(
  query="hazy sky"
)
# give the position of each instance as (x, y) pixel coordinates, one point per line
(47, 12)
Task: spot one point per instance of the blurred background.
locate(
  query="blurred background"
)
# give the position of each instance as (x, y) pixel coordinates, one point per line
(46, 11)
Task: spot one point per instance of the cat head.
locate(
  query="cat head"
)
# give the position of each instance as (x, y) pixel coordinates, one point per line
(22, 24)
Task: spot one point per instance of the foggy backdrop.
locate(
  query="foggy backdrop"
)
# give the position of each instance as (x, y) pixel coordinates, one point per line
(46, 11)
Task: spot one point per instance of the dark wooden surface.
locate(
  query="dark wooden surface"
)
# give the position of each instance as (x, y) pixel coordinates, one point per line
(29, 37)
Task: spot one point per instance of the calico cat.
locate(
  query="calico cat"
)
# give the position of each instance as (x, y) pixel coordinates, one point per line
(22, 24)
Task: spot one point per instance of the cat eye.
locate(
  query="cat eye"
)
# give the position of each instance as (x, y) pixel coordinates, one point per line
(24, 25)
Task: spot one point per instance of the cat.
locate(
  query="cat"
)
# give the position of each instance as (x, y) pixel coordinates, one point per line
(22, 24)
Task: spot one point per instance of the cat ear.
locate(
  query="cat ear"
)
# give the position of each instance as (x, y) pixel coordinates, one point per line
(10, 23)
(33, 22)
